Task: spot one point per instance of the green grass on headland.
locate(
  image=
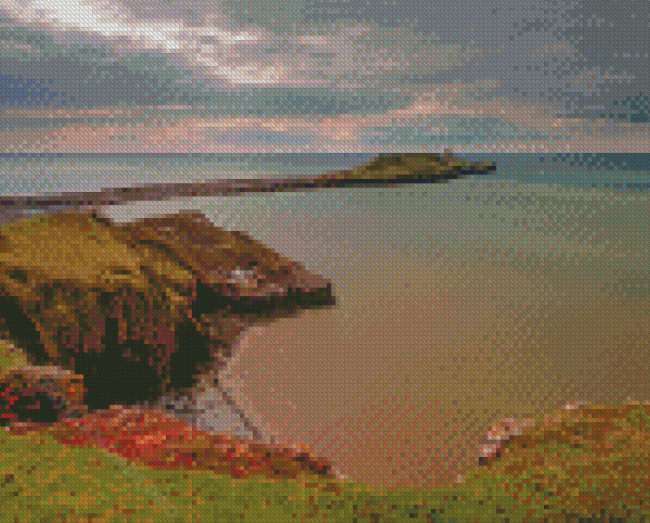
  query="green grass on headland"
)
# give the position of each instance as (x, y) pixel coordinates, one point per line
(42, 480)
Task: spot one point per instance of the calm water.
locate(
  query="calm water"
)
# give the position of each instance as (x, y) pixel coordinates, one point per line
(531, 194)
(458, 303)
(28, 172)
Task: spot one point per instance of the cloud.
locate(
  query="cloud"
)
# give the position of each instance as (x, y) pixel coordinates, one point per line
(164, 76)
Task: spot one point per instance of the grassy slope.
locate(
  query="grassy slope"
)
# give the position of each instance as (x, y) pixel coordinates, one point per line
(41, 480)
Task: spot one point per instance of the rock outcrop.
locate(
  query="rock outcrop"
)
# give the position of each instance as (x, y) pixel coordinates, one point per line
(497, 436)
(40, 396)
(140, 310)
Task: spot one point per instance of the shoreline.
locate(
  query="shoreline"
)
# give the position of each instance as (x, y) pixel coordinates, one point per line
(214, 406)
(501, 440)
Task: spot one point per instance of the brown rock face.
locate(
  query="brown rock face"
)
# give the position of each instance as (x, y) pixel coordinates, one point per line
(229, 262)
(239, 283)
(140, 310)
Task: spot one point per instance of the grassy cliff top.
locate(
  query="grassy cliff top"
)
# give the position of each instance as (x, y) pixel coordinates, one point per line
(587, 464)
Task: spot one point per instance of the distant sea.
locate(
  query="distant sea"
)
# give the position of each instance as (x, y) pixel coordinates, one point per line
(53, 172)
(463, 302)
(591, 198)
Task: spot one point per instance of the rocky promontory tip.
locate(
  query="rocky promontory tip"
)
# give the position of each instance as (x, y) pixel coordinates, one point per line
(396, 168)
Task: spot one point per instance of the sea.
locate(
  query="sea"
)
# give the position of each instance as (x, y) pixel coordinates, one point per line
(491, 296)
(557, 192)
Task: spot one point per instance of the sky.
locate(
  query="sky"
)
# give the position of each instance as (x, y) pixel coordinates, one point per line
(296, 76)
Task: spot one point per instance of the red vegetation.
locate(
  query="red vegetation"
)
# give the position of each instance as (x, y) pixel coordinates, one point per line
(151, 439)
